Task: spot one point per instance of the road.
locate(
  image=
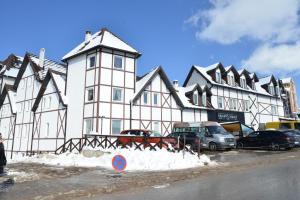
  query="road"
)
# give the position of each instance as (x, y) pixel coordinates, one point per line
(275, 182)
(239, 175)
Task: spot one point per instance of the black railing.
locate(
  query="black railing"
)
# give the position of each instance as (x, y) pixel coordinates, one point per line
(135, 142)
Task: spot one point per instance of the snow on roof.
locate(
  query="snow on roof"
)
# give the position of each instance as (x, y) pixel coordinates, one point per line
(287, 80)
(204, 70)
(12, 72)
(60, 81)
(101, 38)
(143, 81)
(48, 63)
(186, 101)
(189, 88)
(12, 95)
(265, 80)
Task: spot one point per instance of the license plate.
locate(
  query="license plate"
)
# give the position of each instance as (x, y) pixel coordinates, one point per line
(296, 142)
(232, 144)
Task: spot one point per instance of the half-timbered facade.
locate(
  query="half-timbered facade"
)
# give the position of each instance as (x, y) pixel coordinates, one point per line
(8, 117)
(155, 105)
(50, 113)
(238, 95)
(100, 82)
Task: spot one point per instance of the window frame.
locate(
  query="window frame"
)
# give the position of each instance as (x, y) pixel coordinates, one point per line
(94, 60)
(112, 126)
(114, 62)
(90, 120)
(113, 94)
(145, 97)
(155, 99)
(222, 102)
(195, 99)
(88, 94)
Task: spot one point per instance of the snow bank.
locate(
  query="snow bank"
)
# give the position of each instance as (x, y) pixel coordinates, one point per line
(136, 160)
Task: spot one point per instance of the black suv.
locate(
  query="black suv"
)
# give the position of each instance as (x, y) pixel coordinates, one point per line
(190, 139)
(269, 139)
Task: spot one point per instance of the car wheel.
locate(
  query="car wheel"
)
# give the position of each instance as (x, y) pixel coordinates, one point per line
(239, 145)
(275, 147)
(212, 146)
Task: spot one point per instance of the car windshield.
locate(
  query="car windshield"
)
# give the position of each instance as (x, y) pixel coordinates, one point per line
(217, 130)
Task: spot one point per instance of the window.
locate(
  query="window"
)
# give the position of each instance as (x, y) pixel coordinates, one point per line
(88, 126)
(117, 94)
(234, 102)
(47, 129)
(92, 62)
(195, 99)
(274, 110)
(218, 77)
(277, 91)
(271, 89)
(230, 80)
(204, 99)
(156, 127)
(116, 126)
(49, 102)
(155, 99)
(253, 85)
(243, 83)
(90, 94)
(145, 98)
(220, 102)
(118, 62)
(247, 105)
(29, 81)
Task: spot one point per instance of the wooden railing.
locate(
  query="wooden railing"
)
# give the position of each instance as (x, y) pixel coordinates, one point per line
(135, 142)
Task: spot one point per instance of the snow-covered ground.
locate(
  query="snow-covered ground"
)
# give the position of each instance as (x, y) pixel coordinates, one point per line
(136, 160)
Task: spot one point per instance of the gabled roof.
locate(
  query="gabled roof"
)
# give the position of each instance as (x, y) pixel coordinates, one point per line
(267, 80)
(9, 91)
(245, 73)
(39, 71)
(59, 81)
(233, 69)
(287, 80)
(191, 88)
(102, 38)
(254, 76)
(215, 66)
(146, 80)
(203, 72)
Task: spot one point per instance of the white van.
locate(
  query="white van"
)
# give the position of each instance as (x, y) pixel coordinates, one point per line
(213, 135)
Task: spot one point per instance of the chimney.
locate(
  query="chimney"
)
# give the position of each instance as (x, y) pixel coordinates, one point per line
(175, 84)
(88, 36)
(42, 58)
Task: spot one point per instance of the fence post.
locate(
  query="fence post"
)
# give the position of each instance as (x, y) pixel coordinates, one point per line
(183, 146)
(199, 148)
(71, 142)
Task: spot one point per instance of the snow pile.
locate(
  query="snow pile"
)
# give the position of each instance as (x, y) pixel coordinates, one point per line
(136, 160)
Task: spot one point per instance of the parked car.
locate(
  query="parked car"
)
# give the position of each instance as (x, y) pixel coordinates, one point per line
(212, 135)
(189, 139)
(268, 139)
(296, 134)
(127, 137)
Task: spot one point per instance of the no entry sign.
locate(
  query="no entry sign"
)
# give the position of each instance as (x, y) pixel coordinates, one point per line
(119, 163)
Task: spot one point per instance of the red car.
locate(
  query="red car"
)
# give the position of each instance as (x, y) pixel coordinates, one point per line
(144, 136)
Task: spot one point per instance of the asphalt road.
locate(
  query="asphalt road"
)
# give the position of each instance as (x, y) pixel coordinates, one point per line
(280, 181)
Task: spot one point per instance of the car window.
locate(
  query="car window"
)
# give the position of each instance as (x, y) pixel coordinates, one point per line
(253, 134)
(285, 126)
(191, 134)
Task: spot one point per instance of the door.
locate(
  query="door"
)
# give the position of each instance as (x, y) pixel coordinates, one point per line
(252, 140)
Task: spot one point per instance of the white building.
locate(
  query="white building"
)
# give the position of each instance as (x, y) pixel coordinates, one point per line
(19, 99)
(238, 95)
(9, 69)
(99, 93)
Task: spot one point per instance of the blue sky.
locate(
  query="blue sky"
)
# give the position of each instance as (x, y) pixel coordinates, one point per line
(173, 33)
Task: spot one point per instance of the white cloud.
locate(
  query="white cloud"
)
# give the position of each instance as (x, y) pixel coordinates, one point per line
(279, 59)
(228, 21)
(273, 24)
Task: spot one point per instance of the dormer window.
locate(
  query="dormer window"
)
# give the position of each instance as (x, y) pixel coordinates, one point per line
(271, 89)
(195, 98)
(204, 99)
(218, 76)
(243, 83)
(277, 91)
(253, 85)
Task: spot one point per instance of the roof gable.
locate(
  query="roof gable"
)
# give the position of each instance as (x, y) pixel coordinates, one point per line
(146, 80)
(59, 84)
(104, 38)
